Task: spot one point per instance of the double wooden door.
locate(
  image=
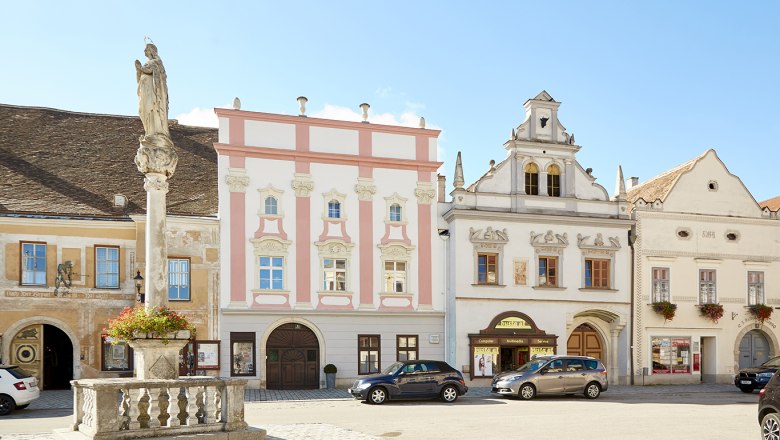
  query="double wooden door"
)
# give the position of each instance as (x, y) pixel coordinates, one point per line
(292, 360)
(584, 341)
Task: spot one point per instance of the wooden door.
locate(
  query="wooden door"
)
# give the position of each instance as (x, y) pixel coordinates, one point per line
(584, 341)
(292, 361)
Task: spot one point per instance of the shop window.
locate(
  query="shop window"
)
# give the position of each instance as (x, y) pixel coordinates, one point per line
(671, 355)
(271, 272)
(755, 288)
(242, 354)
(548, 271)
(107, 267)
(33, 264)
(395, 276)
(487, 268)
(368, 354)
(334, 274)
(115, 357)
(531, 173)
(179, 279)
(707, 287)
(596, 273)
(661, 284)
(406, 348)
(553, 181)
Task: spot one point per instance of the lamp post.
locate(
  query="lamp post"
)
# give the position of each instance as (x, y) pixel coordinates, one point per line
(140, 297)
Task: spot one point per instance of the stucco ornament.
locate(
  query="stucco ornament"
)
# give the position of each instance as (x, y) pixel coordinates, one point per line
(156, 153)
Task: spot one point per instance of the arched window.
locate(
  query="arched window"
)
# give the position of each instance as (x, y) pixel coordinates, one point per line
(553, 181)
(334, 209)
(532, 179)
(395, 212)
(271, 205)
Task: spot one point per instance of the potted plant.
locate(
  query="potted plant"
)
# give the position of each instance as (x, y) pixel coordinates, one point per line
(665, 309)
(330, 375)
(713, 312)
(149, 323)
(761, 312)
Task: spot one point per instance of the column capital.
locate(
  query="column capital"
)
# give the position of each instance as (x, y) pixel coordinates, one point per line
(365, 189)
(302, 184)
(156, 182)
(237, 180)
(425, 193)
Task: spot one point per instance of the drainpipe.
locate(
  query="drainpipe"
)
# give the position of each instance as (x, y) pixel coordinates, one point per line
(631, 321)
(448, 357)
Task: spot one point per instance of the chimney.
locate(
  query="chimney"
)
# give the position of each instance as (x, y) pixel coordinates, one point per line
(442, 188)
(632, 182)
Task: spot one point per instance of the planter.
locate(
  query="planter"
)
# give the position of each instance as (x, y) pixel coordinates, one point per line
(330, 380)
(713, 312)
(180, 334)
(665, 309)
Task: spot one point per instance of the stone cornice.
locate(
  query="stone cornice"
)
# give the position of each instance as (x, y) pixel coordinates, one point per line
(708, 256)
(455, 213)
(299, 313)
(708, 218)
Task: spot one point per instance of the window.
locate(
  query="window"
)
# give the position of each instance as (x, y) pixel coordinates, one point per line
(707, 292)
(242, 354)
(395, 212)
(271, 205)
(368, 354)
(671, 355)
(33, 264)
(548, 271)
(532, 179)
(106, 267)
(755, 288)
(115, 357)
(574, 365)
(661, 284)
(406, 348)
(334, 274)
(334, 209)
(395, 276)
(553, 181)
(179, 279)
(271, 272)
(597, 273)
(487, 269)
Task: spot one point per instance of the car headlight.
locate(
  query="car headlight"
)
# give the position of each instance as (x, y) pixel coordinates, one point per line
(513, 378)
(362, 385)
(765, 375)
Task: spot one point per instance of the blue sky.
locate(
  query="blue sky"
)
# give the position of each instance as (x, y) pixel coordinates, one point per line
(646, 85)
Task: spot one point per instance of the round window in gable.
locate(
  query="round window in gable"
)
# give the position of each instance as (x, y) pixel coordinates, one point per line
(732, 236)
(712, 185)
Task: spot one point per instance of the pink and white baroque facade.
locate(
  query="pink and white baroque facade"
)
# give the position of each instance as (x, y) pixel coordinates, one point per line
(329, 244)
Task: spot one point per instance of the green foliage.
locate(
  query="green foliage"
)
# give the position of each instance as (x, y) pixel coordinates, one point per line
(154, 321)
(665, 309)
(713, 312)
(330, 368)
(761, 312)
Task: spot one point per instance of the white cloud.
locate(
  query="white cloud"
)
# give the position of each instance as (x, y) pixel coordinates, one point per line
(383, 92)
(408, 118)
(201, 117)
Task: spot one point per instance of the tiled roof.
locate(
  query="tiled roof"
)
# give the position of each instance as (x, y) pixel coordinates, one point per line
(57, 162)
(773, 204)
(659, 186)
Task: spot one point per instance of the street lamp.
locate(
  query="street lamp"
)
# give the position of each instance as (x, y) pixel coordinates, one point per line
(140, 297)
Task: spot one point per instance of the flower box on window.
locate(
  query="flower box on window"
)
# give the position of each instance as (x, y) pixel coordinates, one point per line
(713, 312)
(665, 309)
(761, 312)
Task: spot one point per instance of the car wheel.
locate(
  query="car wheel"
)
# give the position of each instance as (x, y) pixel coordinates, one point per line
(449, 394)
(593, 390)
(377, 396)
(527, 391)
(22, 406)
(770, 426)
(7, 404)
(746, 389)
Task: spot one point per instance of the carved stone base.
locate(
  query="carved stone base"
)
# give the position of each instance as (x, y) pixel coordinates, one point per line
(244, 434)
(156, 359)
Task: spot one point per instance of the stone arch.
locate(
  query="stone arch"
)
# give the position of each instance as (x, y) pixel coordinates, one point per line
(16, 327)
(607, 324)
(770, 336)
(263, 350)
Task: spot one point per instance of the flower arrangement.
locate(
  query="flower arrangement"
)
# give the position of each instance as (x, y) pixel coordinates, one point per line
(712, 312)
(158, 322)
(761, 312)
(665, 309)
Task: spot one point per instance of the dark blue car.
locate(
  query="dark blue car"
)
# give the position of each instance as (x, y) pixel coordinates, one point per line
(411, 380)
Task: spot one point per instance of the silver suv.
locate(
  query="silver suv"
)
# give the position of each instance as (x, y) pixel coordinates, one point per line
(553, 375)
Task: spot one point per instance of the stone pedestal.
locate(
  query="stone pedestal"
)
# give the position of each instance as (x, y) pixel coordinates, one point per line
(157, 358)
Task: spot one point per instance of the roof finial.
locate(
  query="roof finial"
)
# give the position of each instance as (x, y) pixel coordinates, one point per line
(236, 103)
(422, 122)
(364, 106)
(458, 181)
(302, 105)
(620, 186)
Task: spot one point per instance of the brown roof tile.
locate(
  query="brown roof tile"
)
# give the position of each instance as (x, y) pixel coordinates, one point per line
(659, 186)
(773, 204)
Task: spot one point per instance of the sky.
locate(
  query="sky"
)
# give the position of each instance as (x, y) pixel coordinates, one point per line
(645, 85)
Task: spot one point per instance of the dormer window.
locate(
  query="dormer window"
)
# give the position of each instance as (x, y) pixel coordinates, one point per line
(271, 205)
(395, 212)
(334, 209)
(553, 181)
(532, 179)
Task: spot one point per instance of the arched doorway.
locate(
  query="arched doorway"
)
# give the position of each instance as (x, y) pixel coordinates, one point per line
(46, 352)
(292, 358)
(585, 341)
(753, 349)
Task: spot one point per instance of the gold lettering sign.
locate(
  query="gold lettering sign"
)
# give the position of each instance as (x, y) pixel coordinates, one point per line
(540, 351)
(514, 341)
(541, 341)
(513, 322)
(486, 350)
(486, 341)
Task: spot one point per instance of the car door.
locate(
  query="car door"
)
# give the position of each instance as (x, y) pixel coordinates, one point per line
(434, 378)
(551, 378)
(411, 380)
(575, 376)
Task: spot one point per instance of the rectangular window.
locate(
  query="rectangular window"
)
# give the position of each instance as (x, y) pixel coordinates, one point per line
(107, 267)
(487, 268)
(242, 354)
(671, 355)
(334, 274)
(368, 354)
(553, 185)
(33, 264)
(707, 291)
(406, 348)
(271, 272)
(395, 276)
(548, 271)
(755, 288)
(532, 183)
(115, 357)
(179, 279)
(661, 284)
(597, 273)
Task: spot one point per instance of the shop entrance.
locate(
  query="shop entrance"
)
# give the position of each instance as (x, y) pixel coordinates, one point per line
(46, 352)
(584, 341)
(292, 361)
(753, 349)
(513, 357)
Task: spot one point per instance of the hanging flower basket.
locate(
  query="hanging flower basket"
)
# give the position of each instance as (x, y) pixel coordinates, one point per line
(149, 323)
(665, 309)
(761, 312)
(713, 312)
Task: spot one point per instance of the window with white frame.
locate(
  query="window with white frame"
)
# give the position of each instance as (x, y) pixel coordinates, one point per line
(395, 276)
(179, 279)
(334, 209)
(395, 212)
(33, 264)
(755, 288)
(271, 272)
(106, 267)
(661, 284)
(271, 205)
(707, 287)
(334, 272)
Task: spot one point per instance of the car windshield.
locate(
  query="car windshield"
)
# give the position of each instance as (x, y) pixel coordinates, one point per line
(533, 365)
(772, 363)
(18, 373)
(393, 368)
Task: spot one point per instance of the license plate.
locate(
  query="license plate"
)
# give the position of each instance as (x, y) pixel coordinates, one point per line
(746, 382)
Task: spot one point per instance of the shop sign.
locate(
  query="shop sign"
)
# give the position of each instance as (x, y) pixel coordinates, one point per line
(486, 341)
(484, 359)
(513, 323)
(541, 341)
(514, 341)
(541, 351)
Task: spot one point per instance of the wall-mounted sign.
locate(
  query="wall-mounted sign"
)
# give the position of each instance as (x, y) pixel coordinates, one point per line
(541, 351)
(513, 322)
(486, 341)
